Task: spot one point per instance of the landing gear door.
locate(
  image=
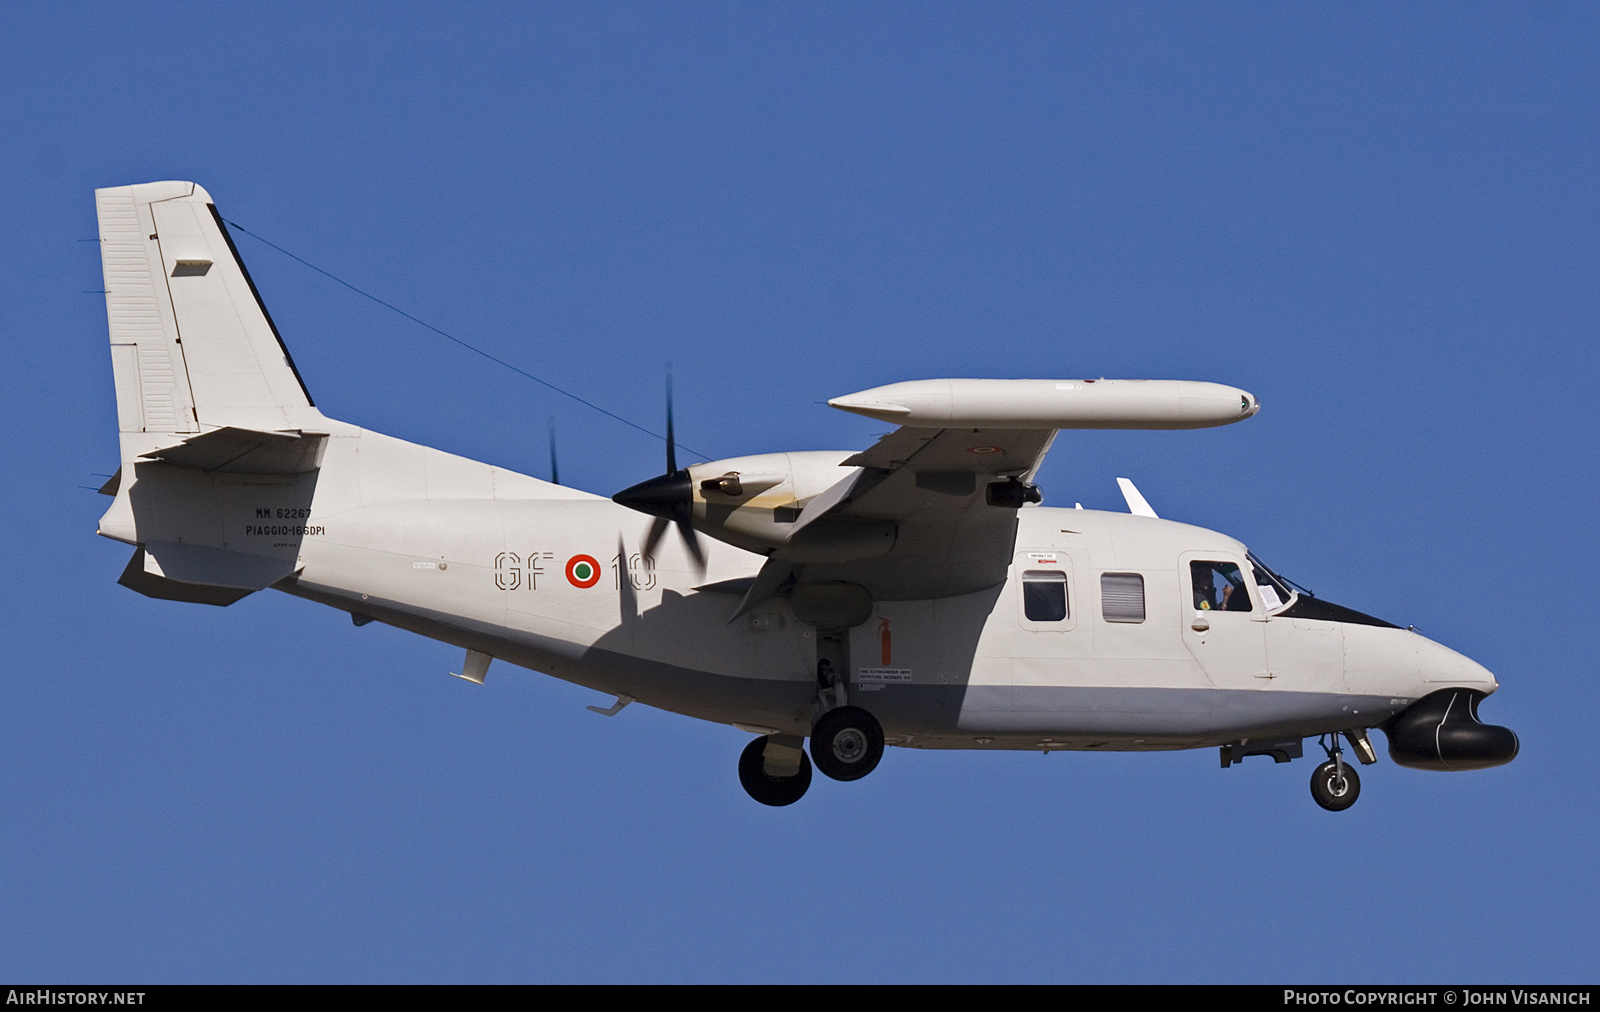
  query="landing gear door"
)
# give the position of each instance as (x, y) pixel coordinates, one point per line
(1222, 624)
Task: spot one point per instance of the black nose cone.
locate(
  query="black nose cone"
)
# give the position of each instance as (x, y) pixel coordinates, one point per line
(667, 496)
(1441, 731)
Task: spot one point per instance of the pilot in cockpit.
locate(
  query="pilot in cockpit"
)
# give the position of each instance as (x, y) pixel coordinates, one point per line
(1218, 586)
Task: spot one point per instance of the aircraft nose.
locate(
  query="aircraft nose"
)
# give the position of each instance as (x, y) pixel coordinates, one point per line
(1442, 666)
(1441, 730)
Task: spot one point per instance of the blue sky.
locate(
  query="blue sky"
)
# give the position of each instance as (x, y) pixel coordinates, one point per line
(1380, 219)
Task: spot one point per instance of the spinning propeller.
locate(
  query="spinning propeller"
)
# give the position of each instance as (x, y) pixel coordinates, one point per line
(669, 498)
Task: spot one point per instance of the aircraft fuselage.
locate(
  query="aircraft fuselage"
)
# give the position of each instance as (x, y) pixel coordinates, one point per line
(552, 579)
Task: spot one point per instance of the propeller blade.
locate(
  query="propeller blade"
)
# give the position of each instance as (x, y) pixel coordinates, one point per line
(658, 527)
(672, 443)
(669, 498)
(555, 475)
(691, 541)
(627, 599)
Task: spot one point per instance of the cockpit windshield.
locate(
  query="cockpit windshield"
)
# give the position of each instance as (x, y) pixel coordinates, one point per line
(1274, 589)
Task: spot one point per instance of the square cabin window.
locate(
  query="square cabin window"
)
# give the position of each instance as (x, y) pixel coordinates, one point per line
(1122, 597)
(1044, 595)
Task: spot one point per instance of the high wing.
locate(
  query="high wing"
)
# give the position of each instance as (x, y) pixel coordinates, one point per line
(928, 511)
(935, 486)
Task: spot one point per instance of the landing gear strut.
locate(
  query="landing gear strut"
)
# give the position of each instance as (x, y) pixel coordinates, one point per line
(1334, 785)
(846, 741)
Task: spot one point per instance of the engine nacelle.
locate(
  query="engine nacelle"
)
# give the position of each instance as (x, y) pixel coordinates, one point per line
(753, 503)
(1441, 731)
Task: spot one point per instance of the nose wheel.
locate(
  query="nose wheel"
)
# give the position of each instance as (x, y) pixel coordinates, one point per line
(1334, 785)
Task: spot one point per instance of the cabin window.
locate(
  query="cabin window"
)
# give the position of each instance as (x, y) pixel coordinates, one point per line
(1122, 597)
(1044, 595)
(1218, 586)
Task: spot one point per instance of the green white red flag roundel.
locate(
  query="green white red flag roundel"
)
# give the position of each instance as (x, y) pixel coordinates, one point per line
(583, 571)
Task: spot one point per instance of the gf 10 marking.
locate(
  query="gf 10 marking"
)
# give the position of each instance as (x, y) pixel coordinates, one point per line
(514, 571)
(510, 573)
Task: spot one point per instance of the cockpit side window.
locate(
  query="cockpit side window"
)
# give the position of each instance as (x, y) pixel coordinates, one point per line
(1044, 595)
(1274, 589)
(1219, 586)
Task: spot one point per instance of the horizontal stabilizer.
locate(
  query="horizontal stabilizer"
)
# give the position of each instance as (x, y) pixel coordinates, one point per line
(247, 451)
(216, 567)
(136, 577)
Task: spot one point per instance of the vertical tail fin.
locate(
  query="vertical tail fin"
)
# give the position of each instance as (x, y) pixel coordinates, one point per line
(223, 452)
(214, 423)
(192, 346)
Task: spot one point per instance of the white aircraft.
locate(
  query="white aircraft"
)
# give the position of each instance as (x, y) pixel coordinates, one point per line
(911, 594)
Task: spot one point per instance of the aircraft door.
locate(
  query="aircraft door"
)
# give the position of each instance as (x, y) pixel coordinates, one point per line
(1224, 625)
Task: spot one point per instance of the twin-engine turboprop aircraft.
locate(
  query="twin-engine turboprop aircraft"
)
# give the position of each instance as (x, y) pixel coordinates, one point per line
(914, 593)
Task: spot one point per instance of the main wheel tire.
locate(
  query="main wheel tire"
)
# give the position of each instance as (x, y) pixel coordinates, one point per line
(1332, 793)
(774, 791)
(847, 743)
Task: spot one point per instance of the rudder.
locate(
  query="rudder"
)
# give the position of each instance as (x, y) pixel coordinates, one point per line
(192, 345)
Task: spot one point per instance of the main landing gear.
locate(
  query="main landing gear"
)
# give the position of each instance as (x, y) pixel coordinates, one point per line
(780, 780)
(846, 744)
(846, 741)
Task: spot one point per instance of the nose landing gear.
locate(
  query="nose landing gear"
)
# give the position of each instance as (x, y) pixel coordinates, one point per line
(1334, 785)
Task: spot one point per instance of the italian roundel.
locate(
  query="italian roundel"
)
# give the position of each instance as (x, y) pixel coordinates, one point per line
(582, 571)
